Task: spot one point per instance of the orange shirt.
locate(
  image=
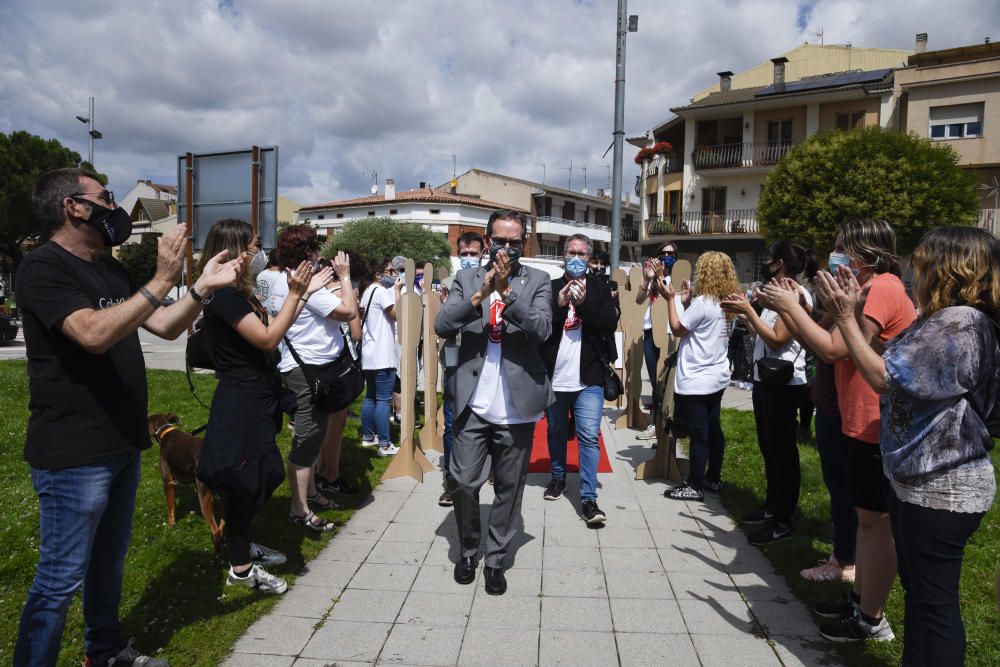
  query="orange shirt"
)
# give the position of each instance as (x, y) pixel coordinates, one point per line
(890, 308)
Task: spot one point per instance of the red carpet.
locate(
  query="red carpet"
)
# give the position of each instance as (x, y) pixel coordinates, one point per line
(540, 452)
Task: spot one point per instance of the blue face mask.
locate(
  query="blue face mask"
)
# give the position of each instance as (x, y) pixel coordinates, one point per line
(387, 281)
(576, 267)
(468, 262)
(837, 259)
(668, 261)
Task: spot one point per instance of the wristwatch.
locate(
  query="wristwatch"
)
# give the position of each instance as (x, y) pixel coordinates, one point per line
(199, 298)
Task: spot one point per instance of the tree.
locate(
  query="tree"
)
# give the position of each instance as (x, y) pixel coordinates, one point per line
(378, 237)
(871, 173)
(23, 156)
(140, 258)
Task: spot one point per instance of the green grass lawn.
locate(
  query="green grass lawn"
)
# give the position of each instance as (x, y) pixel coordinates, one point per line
(744, 491)
(175, 599)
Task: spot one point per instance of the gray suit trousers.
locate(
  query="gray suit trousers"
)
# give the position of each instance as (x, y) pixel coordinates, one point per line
(510, 447)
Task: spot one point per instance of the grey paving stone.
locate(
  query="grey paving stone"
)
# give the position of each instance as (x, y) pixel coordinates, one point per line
(441, 579)
(424, 513)
(570, 536)
(701, 585)
(811, 651)
(523, 582)
(276, 635)
(505, 611)
(422, 645)
(327, 573)
(401, 553)
(307, 601)
(647, 616)
(443, 551)
(408, 532)
(560, 647)
(577, 614)
(574, 582)
(691, 538)
(631, 560)
(362, 529)
(347, 640)
(257, 660)
(784, 617)
(384, 577)
(685, 559)
(569, 558)
(639, 585)
(485, 647)
(626, 519)
(640, 649)
(618, 537)
(435, 609)
(347, 549)
(312, 662)
(718, 617)
(762, 586)
(527, 557)
(367, 605)
(734, 651)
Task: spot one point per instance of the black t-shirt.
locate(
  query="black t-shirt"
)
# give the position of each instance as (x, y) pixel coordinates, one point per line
(84, 408)
(234, 357)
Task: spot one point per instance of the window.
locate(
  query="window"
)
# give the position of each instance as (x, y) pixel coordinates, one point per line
(551, 249)
(958, 121)
(371, 213)
(779, 131)
(435, 211)
(320, 216)
(393, 211)
(851, 120)
(569, 210)
(340, 215)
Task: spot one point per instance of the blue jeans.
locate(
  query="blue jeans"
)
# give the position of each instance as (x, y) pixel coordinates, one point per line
(837, 476)
(703, 415)
(449, 420)
(588, 406)
(85, 525)
(651, 354)
(377, 406)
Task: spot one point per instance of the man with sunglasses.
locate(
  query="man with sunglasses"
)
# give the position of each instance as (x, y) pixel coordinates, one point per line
(503, 311)
(87, 402)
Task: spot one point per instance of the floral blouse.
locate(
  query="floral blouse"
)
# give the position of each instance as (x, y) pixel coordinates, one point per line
(943, 377)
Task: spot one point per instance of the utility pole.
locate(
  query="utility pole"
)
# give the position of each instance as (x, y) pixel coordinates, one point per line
(584, 169)
(454, 166)
(569, 185)
(94, 134)
(625, 24)
(542, 165)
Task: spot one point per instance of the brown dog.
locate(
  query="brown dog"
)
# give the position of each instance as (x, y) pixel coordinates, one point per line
(179, 453)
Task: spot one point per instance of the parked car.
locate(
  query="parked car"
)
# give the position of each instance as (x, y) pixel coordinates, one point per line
(8, 329)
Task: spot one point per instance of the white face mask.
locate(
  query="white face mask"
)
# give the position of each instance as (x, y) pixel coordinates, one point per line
(258, 263)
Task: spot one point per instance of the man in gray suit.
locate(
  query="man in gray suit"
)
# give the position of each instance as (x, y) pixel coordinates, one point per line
(504, 312)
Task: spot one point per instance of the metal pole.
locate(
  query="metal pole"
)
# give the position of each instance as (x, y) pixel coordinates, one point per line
(90, 132)
(616, 181)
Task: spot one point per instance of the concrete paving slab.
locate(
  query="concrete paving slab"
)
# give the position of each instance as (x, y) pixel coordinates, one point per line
(700, 585)
(422, 645)
(576, 614)
(328, 573)
(357, 604)
(307, 601)
(641, 649)
(401, 553)
(784, 617)
(639, 585)
(647, 616)
(347, 549)
(580, 649)
(574, 582)
(276, 635)
(451, 609)
(718, 617)
(347, 640)
(384, 577)
(523, 582)
(483, 646)
(409, 532)
(809, 651)
(441, 579)
(570, 558)
(631, 560)
(734, 651)
(505, 611)
(257, 660)
(618, 537)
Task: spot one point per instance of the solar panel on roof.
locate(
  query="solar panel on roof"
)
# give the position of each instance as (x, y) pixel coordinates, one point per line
(832, 81)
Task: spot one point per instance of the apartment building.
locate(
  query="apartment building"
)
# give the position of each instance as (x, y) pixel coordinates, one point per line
(702, 170)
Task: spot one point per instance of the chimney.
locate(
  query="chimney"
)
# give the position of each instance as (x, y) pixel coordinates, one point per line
(779, 71)
(921, 45)
(390, 189)
(423, 184)
(725, 80)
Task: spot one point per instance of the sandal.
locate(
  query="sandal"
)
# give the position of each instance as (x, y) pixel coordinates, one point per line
(322, 503)
(312, 522)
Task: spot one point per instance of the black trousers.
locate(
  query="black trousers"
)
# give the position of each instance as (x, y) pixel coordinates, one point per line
(929, 549)
(775, 408)
(238, 519)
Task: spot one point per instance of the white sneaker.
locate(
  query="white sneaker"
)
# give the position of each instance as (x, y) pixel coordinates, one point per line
(368, 443)
(258, 578)
(387, 450)
(648, 434)
(263, 556)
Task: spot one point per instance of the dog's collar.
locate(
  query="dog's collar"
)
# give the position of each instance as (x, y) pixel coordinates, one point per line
(163, 430)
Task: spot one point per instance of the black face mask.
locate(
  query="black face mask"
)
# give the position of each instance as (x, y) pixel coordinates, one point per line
(600, 274)
(512, 254)
(114, 224)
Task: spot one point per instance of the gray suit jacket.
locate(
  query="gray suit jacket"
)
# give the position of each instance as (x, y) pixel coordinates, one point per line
(527, 324)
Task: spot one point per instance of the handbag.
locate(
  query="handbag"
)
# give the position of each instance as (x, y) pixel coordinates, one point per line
(333, 385)
(198, 351)
(613, 387)
(775, 371)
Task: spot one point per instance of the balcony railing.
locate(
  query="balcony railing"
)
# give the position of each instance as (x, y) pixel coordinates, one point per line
(733, 221)
(989, 219)
(630, 231)
(573, 223)
(729, 156)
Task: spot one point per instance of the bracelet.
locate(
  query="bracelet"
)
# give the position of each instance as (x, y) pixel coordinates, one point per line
(303, 299)
(149, 297)
(199, 298)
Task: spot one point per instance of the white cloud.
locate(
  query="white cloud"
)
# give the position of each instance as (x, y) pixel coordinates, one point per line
(397, 87)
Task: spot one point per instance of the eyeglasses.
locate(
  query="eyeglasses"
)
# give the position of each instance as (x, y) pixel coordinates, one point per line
(515, 244)
(469, 253)
(577, 253)
(671, 253)
(106, 196)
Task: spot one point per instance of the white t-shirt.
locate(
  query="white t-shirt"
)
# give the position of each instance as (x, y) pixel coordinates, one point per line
(491, 400)
(378, 337)
(703, 355)
(566, 376)
(647, 318)
(317, 339)
(264, 291)
(790, 351)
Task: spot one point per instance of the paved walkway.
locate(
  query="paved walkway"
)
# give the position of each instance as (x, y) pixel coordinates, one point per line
(664, 582)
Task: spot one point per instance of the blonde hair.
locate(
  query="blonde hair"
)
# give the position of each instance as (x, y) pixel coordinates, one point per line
(872, 243)
(957, 266)
(715, 276)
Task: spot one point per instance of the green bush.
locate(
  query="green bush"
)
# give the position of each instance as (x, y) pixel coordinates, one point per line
(384, 237)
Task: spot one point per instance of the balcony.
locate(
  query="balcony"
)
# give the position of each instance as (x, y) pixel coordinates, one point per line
(562, 227)
(670, 164)
(733, 221)
(630, 231)
(740, 156)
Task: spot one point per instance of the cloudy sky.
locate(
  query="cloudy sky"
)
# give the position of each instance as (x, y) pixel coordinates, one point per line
(396, 87)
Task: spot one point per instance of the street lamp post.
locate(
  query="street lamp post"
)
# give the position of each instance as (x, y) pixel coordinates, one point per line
(626, 24)
(94, 134)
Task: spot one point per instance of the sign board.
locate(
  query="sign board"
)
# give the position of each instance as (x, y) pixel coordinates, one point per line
(222, 187)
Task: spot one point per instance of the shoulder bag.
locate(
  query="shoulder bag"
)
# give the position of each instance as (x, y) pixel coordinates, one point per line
(775, 371)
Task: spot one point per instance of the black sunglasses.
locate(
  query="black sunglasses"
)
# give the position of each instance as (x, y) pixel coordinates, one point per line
(106, 196)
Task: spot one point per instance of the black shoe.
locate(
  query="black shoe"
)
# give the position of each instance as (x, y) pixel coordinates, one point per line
(445, 500)
(554, 489)
(496, 583)
(840, 608)
(339, 485)
(592, 514)
(714, 487)
(759, 515)
(774, 531)
(128, 656)
(465, 570)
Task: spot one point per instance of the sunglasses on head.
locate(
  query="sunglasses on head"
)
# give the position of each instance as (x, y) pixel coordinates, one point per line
(106, 196)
